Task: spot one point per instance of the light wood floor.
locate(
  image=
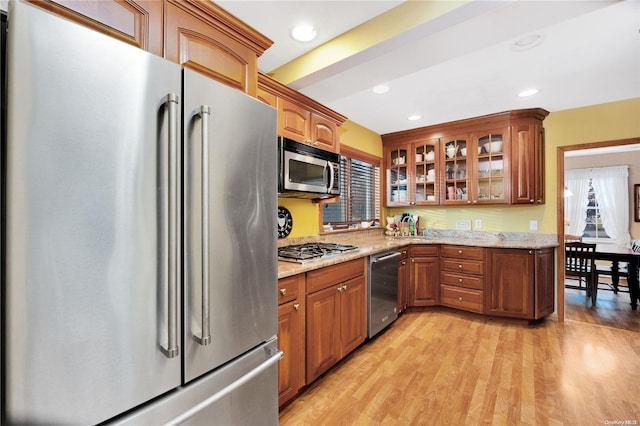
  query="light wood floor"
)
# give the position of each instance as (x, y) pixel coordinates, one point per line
(612, 310)
(445, 367)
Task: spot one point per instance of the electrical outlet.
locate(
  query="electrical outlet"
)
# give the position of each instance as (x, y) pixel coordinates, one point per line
(463, 225)
(478, 223)
(533, 225)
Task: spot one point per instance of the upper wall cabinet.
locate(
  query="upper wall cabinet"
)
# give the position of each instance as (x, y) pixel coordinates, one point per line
(301, 118)
(135, 22)
(204, 37)
(493, 159)
(197, 34)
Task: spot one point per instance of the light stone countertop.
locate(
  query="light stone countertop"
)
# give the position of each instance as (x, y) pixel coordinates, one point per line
(374, 241)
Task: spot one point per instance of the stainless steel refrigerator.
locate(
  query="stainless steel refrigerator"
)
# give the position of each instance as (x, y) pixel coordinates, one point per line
(139, 240)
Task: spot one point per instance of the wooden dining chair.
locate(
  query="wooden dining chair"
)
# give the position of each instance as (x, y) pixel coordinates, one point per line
(580, 262)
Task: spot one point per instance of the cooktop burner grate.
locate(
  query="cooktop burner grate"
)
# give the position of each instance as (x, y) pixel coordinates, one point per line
(310, 251)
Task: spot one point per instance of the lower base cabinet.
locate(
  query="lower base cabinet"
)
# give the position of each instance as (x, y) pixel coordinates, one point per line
(291, 337)
(520, 283)
(424, 275)
(336, 318)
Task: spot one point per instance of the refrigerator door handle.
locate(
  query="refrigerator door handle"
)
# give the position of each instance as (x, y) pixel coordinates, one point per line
(172, 350)
(205, 337)
(273, 359)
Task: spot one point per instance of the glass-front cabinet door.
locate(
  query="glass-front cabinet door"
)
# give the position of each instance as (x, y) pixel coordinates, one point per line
(425, 182)
(457, 165)
(397, 178)
(492, 167)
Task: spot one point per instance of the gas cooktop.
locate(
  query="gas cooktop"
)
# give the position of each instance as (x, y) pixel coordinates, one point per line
(302, 253)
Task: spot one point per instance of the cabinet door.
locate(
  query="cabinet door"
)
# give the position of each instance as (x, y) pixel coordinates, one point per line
(397, 176)
(403, 281)
(197, 44)
(291, 366)
(510, 283)
(457, 167)
(425, 179)
(294, 121)
(135, 22)
(267, 97)
(353, 314)
(527, 175)
(544, 283)
(324, 133)
(424, 283)
(323, 331)
(492, 167)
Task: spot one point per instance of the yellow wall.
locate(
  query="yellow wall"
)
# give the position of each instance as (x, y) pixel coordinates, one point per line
(611, 121)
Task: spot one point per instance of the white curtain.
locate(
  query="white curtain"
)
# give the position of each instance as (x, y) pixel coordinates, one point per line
(575, 205)
(612, 191)
(611, 185)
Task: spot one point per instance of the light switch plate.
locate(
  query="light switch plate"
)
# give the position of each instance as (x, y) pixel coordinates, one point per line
(463, 225)
(478, 223)
(533, 225)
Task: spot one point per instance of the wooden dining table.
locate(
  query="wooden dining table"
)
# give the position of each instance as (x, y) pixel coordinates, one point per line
(616, 254)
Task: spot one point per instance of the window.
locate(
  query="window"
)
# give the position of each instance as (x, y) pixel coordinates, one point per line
(594, 227)
(359, 191)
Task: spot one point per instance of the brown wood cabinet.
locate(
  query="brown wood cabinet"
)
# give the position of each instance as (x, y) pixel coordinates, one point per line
(520, 283)
(424, 275)
(301, 118)
(403, 280)
(336, 305)
(493, 159)
(138, 22)
(413, 173)
(291, 336)
(197, 34)
(462, 277)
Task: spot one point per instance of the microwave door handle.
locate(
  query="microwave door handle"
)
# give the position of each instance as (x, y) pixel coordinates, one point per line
(331, 175)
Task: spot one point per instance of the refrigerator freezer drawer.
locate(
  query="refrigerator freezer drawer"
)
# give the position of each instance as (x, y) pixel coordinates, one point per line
(243, 392)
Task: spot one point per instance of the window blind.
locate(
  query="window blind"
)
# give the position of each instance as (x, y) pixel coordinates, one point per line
(359, 194)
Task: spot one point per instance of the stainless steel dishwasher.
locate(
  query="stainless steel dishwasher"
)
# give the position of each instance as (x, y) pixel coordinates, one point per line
(383, 290)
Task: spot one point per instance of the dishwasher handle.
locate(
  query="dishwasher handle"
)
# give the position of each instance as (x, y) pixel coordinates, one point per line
(389, 256)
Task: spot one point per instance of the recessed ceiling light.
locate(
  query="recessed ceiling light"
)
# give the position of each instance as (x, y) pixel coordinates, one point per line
(529, 92)
(414, 117)
(380, 89)
(527, 42)
(303, 33)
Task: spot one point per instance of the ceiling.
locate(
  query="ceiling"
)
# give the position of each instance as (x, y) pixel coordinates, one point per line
(450, 60)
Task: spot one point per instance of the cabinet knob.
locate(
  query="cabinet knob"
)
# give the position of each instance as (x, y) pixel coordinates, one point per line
(344, 287)
(530, 251)
(296, 306)
(459, 251)
(540, 201)
(531, 201)
(460, 266)
(459, 280)
(460, 298)
(404, 262)
(412, 260)
(339, 288)
(283, 291)
(475, 201)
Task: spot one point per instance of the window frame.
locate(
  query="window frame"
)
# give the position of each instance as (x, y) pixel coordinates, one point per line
(356, 154)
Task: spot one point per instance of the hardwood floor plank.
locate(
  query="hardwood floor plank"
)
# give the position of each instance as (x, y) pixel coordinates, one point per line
(443, 366)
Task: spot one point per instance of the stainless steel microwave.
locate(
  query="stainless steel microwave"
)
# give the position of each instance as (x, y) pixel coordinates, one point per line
(306, 171)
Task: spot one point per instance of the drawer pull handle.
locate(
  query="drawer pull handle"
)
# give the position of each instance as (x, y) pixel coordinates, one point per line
(283, 291)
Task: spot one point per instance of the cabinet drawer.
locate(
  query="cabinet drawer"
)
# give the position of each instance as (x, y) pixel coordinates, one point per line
(424, 250)
(331, 275)
(460, 280)
(463, 252)
(474, 267)
(461, 298)
(288, 289)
